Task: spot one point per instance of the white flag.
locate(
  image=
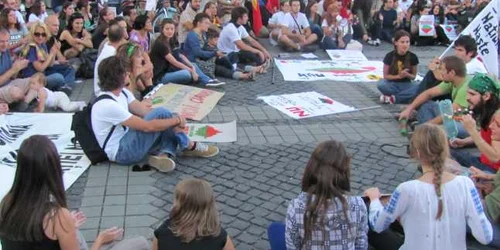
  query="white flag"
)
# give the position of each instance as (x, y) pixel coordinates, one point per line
(484, 29)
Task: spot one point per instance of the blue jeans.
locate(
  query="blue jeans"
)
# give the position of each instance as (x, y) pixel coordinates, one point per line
(182, 76)
(329, 43)
(316, 29)
(402, 91)
(496, 232)
(59, 76)
(135, 144)
(202, 78)
(430, 110)
(467, 160)
(276, 235)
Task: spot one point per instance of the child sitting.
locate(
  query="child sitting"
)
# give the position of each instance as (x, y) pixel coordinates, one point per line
(194, 220)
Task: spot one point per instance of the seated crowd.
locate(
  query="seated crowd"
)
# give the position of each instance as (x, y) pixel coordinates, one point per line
(42, 55)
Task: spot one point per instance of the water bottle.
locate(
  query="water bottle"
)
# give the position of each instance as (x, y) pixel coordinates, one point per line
(403, 128)
(449, 125)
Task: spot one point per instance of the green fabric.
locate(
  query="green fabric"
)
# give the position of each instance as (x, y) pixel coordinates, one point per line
(492, 200)
(483, 83)
(458, 94)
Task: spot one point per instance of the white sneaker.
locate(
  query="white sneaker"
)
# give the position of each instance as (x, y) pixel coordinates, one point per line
(214, 83)
(162, 163)
(377, 42)
(386, 99)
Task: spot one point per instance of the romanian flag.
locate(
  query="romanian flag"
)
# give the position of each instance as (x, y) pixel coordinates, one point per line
(256, 17)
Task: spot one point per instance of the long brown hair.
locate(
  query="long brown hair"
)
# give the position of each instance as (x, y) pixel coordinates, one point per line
(37, 191)
(326, 179)
(194, 214)
(328, 13)
(393, 68)
(4, 19)
(430, 145)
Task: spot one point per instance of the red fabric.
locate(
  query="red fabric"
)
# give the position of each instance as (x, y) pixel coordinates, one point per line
(273, 6)
(257, 18)
(486, 135)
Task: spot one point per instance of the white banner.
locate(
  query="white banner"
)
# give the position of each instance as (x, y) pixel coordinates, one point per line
(16, 127)
(449, 31)
(426, 26)
(305, 105)
(484, 29)
(224, 132)
(346, 55)
(308, 70)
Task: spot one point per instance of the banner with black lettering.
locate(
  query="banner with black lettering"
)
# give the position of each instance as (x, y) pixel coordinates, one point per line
(484, 29)
(16, 127)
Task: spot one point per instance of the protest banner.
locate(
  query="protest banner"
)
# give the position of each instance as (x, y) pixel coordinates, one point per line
(308, 70)
(450, 31)
(305, 104)
(346, 55)
(224, 132)
(426, 26)
(484, 29)
(16, 127)
(191, 102)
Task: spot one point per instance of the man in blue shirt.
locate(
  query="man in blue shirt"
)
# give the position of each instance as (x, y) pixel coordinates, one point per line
(8, 72)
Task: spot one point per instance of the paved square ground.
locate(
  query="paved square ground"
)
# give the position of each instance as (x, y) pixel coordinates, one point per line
(255, 177)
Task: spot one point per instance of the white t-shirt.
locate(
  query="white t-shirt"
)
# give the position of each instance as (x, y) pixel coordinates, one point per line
(475, 66)
(105, 114)
(229, 35)
(415, 204)
(301, 20)
(278, 18)
(107, 51)
(35, 18)
(20, 17)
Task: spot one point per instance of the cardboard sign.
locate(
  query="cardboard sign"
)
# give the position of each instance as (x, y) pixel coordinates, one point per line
(307, 70)
(426, 26)
(191, 102)
(224, 132)
(306, 104)
(450, 31)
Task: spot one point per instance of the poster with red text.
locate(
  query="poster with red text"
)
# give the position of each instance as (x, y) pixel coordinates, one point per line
(222, 132)
(306, 104)
(190, 102)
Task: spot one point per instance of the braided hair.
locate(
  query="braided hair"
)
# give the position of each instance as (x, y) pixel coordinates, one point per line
(430, 143)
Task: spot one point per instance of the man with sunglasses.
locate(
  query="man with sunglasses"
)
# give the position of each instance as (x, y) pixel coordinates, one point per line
(483, 98)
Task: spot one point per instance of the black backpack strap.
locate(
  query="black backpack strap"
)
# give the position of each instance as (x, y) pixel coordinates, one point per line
(103, 97)
(108, 137)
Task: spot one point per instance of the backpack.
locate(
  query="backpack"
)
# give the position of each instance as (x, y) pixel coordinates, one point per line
(82, 126)
(88, 57)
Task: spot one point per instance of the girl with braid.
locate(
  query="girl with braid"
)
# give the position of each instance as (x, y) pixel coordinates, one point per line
(435, 209)
(400, 69)
(324, 214)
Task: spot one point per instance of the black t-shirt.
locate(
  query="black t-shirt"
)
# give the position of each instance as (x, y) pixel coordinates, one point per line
(400, 62)
(99, 35)
(157, 55)
(167, 240)
(389, 17)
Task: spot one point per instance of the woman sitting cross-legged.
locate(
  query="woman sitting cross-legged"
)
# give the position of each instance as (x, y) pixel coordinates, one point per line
(74, 39)
(216, 62)
(324, 214)
(170, 66)
(34, 214)
(400, 68)
(60, 77)
(434, 210)
(337, 30)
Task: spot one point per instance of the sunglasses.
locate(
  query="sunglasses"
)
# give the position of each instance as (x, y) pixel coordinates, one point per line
(37, 34)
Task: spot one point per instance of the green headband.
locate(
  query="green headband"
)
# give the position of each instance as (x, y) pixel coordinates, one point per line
(130, 49)
(483, 83)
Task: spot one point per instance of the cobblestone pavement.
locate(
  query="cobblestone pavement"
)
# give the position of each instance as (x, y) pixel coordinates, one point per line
(255, 177)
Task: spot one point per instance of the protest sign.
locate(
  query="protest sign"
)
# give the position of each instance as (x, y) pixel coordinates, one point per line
(426, 26)
(346, 55)
(16, 127)
(307, 70)
(191, 102)
(305, 104)
(224, 132)
(450, 31)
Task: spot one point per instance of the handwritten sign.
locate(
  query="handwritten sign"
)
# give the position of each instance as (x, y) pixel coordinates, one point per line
(426, 26)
